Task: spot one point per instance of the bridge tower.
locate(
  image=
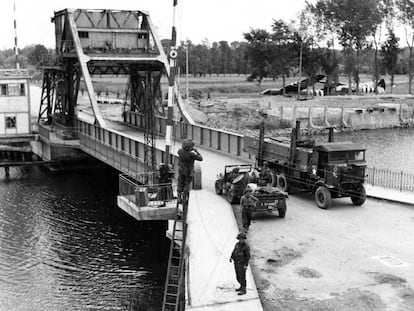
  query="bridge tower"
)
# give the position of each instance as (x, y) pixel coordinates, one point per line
(105, 43)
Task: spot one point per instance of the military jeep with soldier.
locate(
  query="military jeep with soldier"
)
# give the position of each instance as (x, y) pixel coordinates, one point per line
(237, 178)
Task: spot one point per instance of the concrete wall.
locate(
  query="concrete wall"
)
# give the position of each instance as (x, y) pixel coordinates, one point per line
(378, 116)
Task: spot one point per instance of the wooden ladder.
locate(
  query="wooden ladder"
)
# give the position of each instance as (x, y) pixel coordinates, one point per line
(175, 271)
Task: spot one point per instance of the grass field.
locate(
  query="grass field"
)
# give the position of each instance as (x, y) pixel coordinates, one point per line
(230, 85)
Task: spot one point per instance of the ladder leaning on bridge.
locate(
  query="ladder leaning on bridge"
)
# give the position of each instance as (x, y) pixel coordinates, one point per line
(174, 284)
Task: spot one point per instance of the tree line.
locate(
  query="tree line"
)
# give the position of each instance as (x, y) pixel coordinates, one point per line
(329, 37)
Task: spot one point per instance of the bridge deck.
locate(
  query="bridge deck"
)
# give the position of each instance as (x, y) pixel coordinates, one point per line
(212, 235)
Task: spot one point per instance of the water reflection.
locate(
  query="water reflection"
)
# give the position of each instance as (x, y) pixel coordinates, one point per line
(386, 148)
(65, 245)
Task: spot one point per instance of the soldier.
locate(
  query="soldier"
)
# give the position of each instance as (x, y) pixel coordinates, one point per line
(241, 257)
(186, 157)
(232, 176)
(247, 204)
(165, 176)
(265, 177)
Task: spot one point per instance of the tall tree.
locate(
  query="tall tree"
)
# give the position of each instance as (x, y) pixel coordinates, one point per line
(312, 62)
(325, 30)
(353, 21)
(258, 53)
(37, 54)
(390, 52)
(406, 17)
(284, 51)
(215, 58)
(225, 57)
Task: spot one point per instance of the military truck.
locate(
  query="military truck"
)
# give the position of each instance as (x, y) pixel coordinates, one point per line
(325, 169)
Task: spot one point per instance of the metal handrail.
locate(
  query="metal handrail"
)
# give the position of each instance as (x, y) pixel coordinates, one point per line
(159, 194)
(401, 181)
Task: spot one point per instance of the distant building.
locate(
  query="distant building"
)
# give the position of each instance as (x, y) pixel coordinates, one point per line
(14, 102)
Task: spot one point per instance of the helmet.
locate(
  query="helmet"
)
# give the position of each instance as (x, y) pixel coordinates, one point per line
(235, 170)
(248, 189)
(187, 144)
(241, 236)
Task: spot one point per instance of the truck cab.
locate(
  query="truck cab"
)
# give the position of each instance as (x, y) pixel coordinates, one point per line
(340, 168)
(325, 169)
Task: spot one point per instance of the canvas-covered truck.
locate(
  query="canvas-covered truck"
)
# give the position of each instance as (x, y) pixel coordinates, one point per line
(325, 169)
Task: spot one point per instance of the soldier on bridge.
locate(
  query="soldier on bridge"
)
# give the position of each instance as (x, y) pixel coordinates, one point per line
(186, 157)
(241, 257)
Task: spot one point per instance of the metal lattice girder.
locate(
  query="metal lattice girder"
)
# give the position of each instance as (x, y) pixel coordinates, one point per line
(82, 60)
(142, 94)
(50, 98)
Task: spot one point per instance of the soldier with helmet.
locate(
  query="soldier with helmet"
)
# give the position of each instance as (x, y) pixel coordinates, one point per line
(247, 203)
(241, 256)
(186, 157)
(265, 176)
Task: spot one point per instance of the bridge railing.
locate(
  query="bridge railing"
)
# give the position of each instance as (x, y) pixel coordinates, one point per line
(218, 140)
(233, 144)
(120, 151)
(390, 179)
(143, 190)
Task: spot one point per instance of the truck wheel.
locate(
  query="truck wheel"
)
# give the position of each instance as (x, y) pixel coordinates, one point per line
(323, 197)
(231, 197)
(281, 208)
(282, 182)
(359, 197)
(218, 187)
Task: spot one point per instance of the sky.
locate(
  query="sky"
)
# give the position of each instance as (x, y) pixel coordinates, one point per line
(196, 20)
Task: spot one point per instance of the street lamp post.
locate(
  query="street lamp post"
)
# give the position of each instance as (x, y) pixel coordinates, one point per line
(186, 73)
(300, 67)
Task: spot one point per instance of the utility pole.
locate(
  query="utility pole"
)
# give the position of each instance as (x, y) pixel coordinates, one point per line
(187, 94)
(16, 50)
(171, 83)
(302, 37)
(300, 67)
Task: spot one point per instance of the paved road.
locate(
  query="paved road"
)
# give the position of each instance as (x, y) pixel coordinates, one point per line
(352, 258)
(344, 258)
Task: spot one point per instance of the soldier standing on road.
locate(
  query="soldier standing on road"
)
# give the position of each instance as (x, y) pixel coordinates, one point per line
(241, 257)
(247, 204)
(186, 157)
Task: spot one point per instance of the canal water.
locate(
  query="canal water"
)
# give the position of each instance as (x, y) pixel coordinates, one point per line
(391, 149)
(65, 245)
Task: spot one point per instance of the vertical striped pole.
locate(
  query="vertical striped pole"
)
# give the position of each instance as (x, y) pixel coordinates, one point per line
(171, 82)
(16, 50)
